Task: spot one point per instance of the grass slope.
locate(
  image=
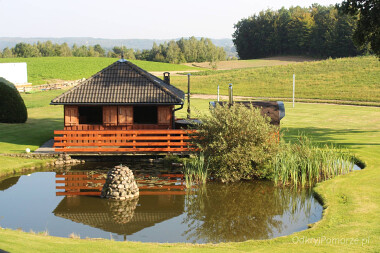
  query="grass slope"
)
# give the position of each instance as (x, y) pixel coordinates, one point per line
(351, 222)
(355, 79)
(44, 69)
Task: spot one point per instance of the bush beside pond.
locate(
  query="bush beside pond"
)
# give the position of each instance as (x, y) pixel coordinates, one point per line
(239, 143)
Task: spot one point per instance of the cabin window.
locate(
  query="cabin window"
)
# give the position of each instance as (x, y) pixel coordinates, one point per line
(91, 115)
(145, 115)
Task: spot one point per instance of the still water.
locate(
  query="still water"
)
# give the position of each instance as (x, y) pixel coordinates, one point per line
(67, 201)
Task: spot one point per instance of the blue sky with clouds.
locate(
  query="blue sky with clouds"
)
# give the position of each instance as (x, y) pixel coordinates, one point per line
(126, 19)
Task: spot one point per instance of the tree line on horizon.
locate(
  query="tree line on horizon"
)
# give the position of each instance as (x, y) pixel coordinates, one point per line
(181, 51)
(317, 31)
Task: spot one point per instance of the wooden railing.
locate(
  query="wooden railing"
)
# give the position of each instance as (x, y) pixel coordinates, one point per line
(170, 140)
(85, 183)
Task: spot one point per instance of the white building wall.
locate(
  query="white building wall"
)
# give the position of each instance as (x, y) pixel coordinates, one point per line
(15, 73)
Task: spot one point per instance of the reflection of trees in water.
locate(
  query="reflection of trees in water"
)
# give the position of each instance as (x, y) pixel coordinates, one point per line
(8, 182)
(239, 211)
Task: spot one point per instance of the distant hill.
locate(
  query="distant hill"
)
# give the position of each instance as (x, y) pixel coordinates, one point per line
(105, 43)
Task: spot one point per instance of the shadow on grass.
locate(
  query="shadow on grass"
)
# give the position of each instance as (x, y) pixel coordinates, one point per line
(328, 135)
(34, 132)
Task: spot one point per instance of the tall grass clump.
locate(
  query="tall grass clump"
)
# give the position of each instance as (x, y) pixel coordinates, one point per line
(304, 163)
(195, 170)
(237, 142)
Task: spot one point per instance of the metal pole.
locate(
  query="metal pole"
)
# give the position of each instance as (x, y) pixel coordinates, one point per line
(230, 94)
(294, 86)
(188, 95)
(218, 92)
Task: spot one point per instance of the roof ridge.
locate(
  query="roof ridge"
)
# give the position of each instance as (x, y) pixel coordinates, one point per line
(154, 79)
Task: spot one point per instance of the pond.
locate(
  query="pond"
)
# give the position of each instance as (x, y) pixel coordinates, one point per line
(67, 201)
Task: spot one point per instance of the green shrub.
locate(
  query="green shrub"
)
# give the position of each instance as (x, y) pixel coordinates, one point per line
(237, 143)
(12, 106)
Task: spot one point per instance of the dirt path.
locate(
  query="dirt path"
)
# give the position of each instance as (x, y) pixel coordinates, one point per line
(263, 62)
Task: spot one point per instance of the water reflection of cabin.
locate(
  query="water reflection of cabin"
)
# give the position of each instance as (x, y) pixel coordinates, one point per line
(122, 108)
(121, 217)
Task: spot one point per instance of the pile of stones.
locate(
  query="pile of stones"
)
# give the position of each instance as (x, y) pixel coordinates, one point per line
(65, 159)
(120, 184)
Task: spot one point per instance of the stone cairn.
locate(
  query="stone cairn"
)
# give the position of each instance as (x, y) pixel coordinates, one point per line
(120, 184)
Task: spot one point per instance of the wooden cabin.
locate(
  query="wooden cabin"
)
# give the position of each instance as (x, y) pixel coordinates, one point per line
(122, 108)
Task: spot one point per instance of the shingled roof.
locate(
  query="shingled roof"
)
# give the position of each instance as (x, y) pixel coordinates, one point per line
(122, 83)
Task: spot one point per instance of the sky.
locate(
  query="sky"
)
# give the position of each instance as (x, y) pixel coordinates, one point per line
(132, 19)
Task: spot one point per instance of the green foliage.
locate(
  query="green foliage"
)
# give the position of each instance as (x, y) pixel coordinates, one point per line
(26, 50)
(195, 170)
(237, 142)
(184, 50)
(318, 31)
(7, 53)
(12, 107)
(304, 163)
(368, 24)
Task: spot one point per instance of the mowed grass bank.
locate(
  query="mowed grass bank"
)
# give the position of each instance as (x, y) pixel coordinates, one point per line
(350, 222)
(352, 79)
(47, 69)
(43, 119)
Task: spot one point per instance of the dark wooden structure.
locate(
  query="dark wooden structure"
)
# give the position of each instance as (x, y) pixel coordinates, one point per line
(122, 108)
(275, 110)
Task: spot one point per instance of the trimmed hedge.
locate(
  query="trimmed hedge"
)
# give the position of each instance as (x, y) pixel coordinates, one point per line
(12, 106)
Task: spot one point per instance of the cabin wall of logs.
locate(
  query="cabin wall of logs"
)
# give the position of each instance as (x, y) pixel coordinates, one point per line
(118, 117)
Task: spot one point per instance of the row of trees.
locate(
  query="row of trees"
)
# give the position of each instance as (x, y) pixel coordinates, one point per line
(48, 49)
(321, 31)
(181, 51)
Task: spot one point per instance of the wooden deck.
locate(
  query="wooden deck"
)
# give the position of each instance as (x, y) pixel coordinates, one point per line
(122, 141)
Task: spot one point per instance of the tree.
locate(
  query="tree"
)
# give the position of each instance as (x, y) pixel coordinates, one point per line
(317, 31)
(46, 48)
(100, 50)
(173, 52)
(7, 53)
(128, 53)
(65, 50)
(237, 142)
(26, 50)
(368, 26)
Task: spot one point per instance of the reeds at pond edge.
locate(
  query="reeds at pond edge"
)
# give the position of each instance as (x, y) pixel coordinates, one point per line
(304, 163)
(195, 170)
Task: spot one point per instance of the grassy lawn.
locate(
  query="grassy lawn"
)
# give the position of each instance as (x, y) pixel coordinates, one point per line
(328, 79)
(351, 222)
(44, 69)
